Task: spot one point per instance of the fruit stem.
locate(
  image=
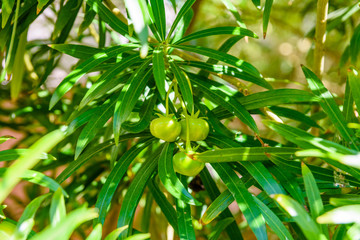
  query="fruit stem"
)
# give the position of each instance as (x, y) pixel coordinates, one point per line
(167, 98)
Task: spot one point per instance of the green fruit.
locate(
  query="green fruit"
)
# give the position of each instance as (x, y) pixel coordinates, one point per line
(165, 128)
(6, 230)
(185, 165)
(199, 129)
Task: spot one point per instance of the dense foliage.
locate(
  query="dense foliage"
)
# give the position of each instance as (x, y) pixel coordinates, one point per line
(170, 111)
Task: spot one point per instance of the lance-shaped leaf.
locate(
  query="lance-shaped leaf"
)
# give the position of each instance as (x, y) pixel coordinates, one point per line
(266, 16)
(232, 105)
(313, 195)
(300, 216)
(134, 193)
(159, 70)
(165, 206)
(186, 229)
(115, 234)
(27, 161)
(276, 97)
(273, 221)
(220, 226)
(129, 96)
(84, 67)
(75, 50)
(66, 226)
(220, 70)
(244, 199)
(221, 56)
(243, 154)
(184, 9)
(354, 47)
(295, 115)
(96, 233)
(69, 9)
(91, 152)
(26, 221)
(95, 123)
(341, 215)
(108, 17)
(330, 107)
(57, 207)
(184, 84)
(108, 81)
(168, 177)
(158, 10)
(354, 81)
(13, 154)
(228, 4)
(217, 206)
(238, 31)
(114, 178)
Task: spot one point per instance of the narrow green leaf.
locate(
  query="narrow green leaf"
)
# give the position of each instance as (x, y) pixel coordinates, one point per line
(185, 85)
(232, 105)
(184, 9)
(256, 3)
(134, 193)
(266, 16)
(232, 230)
(341, 215)
(313, 196)
(330, 107)
(66, 226)
(348, 106)
(344, 200)
(158, 10)
(243, 154)
(165, 206)
(354, 81)
(57, 208)
(88, 19)
(13, 154)
(273, 221)
(7, 9)
(288, 180)
(228, 4)
(91, 152)
(244, 199)
(147, 112)
(276, 97)
(96, 233)
(137, 12)
(75, 50)
(83, 68)
(217, 206)
(95, 123)
(64, 15)
(26, 221)
(169, 179)
(300, 216)
(129, 96)
(186, 229)
(355, 45)
(220, 226)
(114, 178)
(139, 236)
(115, 234)
(220, 70)
(107, 16)
(295, 115)
(27, 161)
(340, 232)
(159, 70)
(221, 56)
(37, 178)
(108, 81)
(238, 31)
(184, 24)
(18, 68)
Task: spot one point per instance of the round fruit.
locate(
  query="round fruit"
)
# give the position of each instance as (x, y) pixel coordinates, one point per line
(199, 129)
(185, 165)
(165, 128)
(6, 230)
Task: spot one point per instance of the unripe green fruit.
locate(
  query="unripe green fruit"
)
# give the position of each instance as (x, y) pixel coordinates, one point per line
(165, 128)
(185, 165)
(199, 129)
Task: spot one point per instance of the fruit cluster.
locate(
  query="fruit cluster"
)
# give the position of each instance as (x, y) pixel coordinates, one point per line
(191, 128)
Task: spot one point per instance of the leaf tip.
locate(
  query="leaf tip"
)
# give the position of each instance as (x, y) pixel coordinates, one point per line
(264, 35)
